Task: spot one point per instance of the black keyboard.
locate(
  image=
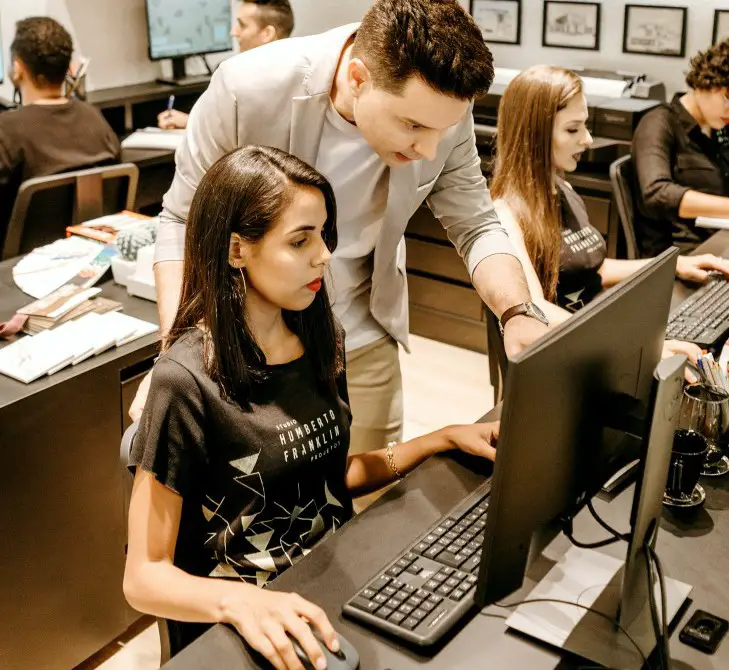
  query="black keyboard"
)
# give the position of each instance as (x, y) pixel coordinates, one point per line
(428, 588)
(703, 318)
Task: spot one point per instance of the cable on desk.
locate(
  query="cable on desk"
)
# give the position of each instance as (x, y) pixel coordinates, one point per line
(662, 637)
(604, 524)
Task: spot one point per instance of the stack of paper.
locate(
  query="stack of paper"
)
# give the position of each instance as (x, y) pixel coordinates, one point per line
(105, 228)
(69, 344)
(154, 138)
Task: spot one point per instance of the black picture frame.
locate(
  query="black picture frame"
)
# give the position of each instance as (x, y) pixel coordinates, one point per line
(647, 9)
(515, 4)
(596, 6)
(718, 13)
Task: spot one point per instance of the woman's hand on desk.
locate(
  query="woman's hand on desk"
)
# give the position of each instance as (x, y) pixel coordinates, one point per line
(697, 268)
(266, 619)
(477, 439)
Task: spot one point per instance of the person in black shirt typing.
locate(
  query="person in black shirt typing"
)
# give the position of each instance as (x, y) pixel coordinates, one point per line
(241, 455)
(681, 164)
(49, 133)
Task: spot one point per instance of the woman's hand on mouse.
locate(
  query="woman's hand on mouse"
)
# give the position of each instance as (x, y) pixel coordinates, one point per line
(697, 268)
(265, 619)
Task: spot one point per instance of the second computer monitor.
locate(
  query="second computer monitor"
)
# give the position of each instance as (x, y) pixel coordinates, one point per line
(567, 405)
(181, 28)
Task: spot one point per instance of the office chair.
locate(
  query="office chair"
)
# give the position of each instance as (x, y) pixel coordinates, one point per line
(622, 179)
(498, 361)
(128, 480)
(45, 206)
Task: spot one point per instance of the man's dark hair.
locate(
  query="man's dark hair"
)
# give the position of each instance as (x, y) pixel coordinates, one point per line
(276, 13)
(246, 192)
(710, 68)
(436, 40)
(44, 47)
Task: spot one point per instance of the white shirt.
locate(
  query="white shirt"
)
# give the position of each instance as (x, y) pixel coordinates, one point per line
(360, 180)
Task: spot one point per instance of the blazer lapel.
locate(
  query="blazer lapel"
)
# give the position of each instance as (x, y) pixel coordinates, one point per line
(307, 124)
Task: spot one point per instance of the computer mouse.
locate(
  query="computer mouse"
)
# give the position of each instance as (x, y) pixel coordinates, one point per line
(346, 658)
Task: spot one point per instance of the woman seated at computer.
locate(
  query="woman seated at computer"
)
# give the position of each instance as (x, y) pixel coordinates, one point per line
(541, 135)
(241, 454)
(680, 171)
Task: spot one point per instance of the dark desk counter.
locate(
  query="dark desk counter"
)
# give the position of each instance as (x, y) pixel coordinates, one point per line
(63, 519)
(692, 549)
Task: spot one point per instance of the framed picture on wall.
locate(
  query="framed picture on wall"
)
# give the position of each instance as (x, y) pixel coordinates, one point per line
(571, 25)
(659, 31)
(499, 20)
(721, 26)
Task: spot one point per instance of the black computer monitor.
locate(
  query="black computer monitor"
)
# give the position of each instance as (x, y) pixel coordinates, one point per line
(578, 405)
(178, 29)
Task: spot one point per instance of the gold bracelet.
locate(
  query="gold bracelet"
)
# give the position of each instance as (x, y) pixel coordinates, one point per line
(391, 460)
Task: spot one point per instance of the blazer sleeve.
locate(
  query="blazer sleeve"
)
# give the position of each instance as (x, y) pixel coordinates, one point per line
(212, 131)
(460, 200)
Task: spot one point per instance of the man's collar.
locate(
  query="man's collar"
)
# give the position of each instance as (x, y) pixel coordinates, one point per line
(323, 70)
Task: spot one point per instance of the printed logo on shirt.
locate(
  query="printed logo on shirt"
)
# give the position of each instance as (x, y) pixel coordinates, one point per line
(313, 439)
(586, 239)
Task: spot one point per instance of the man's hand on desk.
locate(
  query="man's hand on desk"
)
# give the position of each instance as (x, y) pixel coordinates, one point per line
(697, 268)
(135, 411)
(520, 332)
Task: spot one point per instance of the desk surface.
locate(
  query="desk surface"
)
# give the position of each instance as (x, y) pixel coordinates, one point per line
(12, 299)
(693, 550)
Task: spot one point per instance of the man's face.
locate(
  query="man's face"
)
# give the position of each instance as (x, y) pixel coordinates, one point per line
(248, 30)
(405, 127)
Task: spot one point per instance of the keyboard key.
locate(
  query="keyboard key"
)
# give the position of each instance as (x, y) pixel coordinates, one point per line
(444, 590)
(411, 556)
(447, 571)
(413, 569)
(399, 597)
(419, 614)
(389, 591)
(409, 588)
(403, 563)
(405, 608)
(421, 548)
(460, 575)
(427, 606)
(453, 582)
(447, 523)
(471, 565)
(394, 603)
(397, 584)
(422, 593)
(458, 594)
(471, 580)
(449, 558)
(384, 612)
(433, 551)
(380, 598)
(368, 593)
(410, 623)
(460, 542)
(380, 583)
(364, 604)
(435, 599)
(440, 530)
(450, 536)
(440, 577)
(394, 571)
(415, 600)
(396, 618)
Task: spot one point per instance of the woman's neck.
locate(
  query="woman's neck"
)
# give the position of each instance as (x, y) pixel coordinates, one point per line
(688, 100)
(269, 330)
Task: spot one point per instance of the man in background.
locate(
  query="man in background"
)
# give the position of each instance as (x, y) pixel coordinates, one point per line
(257, 22)
(49, 133)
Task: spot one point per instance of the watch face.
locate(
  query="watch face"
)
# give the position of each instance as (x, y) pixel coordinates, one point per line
(538, 313)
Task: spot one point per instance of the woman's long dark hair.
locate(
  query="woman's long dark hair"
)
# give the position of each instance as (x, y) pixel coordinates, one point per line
(246, 192)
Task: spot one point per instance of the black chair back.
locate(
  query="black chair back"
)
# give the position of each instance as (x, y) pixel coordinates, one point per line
(622, 180)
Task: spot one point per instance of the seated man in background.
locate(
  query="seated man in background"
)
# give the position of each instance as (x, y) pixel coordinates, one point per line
(258, 22)
(49, 133)
(677, 152)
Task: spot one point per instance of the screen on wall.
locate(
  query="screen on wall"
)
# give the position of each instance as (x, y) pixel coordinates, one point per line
(179, 28)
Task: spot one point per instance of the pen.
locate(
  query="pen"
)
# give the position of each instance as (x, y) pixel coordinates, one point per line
(170, 104)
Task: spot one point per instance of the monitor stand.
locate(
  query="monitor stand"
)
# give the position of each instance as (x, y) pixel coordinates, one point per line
(592, 579)
(179, 76)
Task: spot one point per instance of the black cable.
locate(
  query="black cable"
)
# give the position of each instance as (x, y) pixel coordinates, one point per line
(604, 524)
(567, 530)
(588, 609)
(664, 603)
(654, 610)
(207, 65)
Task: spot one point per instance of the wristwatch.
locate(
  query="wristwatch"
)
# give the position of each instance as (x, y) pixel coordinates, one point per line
(526, 309)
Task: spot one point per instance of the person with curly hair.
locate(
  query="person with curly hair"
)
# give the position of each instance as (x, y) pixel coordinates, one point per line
(49, 133)
(680, 170)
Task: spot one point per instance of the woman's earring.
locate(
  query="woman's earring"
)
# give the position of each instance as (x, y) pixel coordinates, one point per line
(243, 277)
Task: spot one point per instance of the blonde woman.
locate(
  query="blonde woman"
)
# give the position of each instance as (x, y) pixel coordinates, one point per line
(542, 133)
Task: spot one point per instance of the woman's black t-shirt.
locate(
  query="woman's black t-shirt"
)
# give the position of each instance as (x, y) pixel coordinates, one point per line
(581, 255)
(259, 486)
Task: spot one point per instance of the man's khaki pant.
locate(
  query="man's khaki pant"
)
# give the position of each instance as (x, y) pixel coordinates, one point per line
(375, 395)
